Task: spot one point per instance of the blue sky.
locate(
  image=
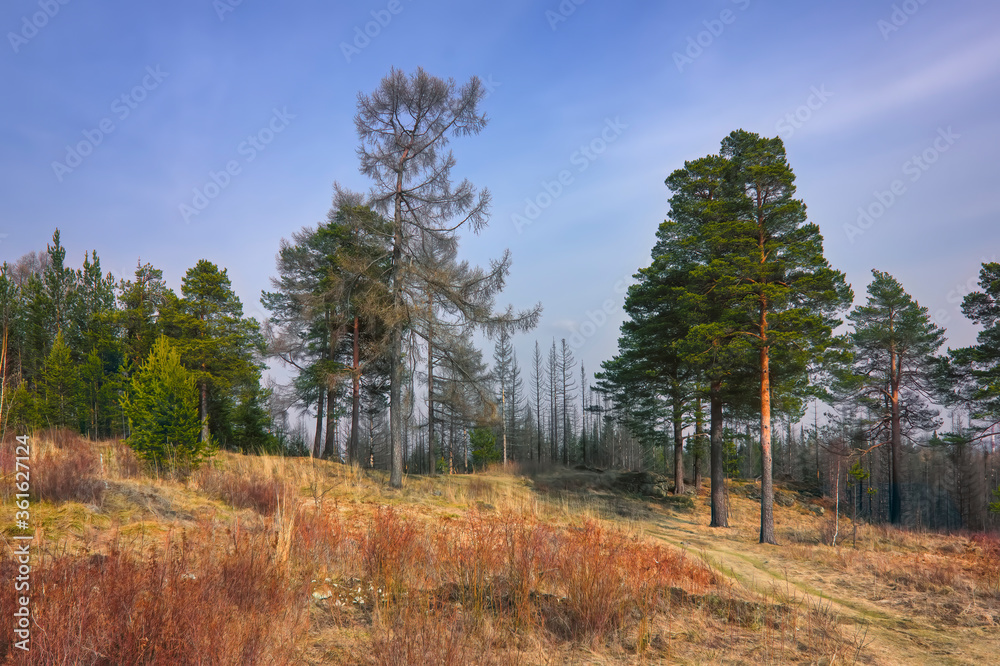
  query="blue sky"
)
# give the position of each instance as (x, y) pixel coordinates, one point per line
(887, 108)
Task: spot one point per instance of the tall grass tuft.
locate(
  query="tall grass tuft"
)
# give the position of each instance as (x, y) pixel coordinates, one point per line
(263, 494)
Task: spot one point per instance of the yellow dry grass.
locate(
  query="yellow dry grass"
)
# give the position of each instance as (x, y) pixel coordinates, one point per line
(898, 597)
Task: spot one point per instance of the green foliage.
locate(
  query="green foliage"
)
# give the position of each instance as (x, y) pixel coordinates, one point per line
(251, 422)
(995, 506)
(731, 458)
(856, 474)
(216, 343)
(21, 410)
(141, 300)
(163, 411)
(982, 361)
(60, 386)
(894, 342)
(484, 446)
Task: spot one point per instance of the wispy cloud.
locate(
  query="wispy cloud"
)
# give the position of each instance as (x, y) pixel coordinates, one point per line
(878, 95)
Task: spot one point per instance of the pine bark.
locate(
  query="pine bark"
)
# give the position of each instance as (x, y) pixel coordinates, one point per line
(352, 447)
(720, 512)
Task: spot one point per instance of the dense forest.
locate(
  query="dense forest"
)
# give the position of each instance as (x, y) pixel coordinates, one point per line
(740, 355)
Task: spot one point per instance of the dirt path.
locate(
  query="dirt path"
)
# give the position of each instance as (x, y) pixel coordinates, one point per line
(893, 636)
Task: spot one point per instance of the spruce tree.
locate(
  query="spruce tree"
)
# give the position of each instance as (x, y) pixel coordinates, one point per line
(60, 387)
(162, 410)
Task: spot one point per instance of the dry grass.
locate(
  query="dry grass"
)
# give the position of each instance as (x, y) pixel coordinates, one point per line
(254, 491)
(190, 603)
(271, 560)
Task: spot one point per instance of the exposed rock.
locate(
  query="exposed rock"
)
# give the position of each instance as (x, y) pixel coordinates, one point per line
(784, 498)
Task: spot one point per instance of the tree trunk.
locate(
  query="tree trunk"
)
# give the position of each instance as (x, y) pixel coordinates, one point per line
(678, 449)
(451, 448)
(583, 413)
(720, 512)
(352, 447)
(538, 407)
(699, 429)
(396, 340)
(430, 385)
(331, 427)
(565, 397)
(204, 411)
(318, 438)
(895, 498)
(3, 383)
(766, 480)
(503, 417)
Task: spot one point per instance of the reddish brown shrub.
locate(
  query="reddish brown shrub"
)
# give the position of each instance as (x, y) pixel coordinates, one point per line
(68, 474)
(391, 552)
(186, 606)
(413, 635)
(606, 577)
(320, 539)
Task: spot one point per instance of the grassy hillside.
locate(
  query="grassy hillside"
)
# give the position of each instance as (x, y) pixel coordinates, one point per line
(271, 560)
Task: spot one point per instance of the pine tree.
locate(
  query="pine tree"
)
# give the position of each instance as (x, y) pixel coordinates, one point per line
(215, 342)
(983, 308)
(692, 243)
(650, 377)
(894, 371)
(784, 297)
(59, 292)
